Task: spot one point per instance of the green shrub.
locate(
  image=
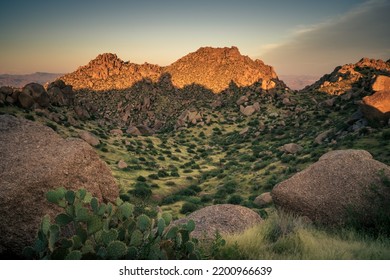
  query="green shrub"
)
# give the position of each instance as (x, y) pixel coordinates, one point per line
(235, 199)
(52, 126)
(141, 179)
(188, 207)
(30, 117)
(153, 176)
(386, 135)
(162, 173)
(87, 229)
(141, 192)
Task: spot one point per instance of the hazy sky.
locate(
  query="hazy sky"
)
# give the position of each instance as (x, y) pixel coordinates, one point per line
(302, 36)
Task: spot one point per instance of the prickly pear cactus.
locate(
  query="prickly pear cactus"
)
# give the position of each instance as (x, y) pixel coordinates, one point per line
(88, 229)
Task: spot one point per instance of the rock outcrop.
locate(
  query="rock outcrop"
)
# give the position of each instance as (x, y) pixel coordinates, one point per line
(107, 71)
(343, 184)
(217, 68)
(353, 77)
(212, 68)
(224, 218)
(34, 160)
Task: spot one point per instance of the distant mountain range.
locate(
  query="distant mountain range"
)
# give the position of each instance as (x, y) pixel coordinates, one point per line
(23, 79)
(298, 82)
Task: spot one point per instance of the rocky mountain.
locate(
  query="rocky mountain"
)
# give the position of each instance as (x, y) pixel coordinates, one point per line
(212, 68)
(216, 68)
(351, 77)
(107, 71)
(21, 80)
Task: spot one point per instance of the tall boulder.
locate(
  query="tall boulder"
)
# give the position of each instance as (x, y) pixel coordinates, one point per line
(342, 183)
(34, 160)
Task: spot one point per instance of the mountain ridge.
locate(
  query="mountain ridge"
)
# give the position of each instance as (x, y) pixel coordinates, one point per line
(213, 68)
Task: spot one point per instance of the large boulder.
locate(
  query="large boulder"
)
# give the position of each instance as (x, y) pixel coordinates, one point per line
(376, 107)
(224, 218)
(34, 160)
(381, 83)
(60, 94)
(342, 183)
(37, 93)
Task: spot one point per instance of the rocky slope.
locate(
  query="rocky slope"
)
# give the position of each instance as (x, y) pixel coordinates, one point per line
(351, 77)
(212, 68)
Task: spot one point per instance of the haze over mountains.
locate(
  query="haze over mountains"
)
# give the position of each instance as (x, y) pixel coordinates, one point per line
(213, 67)
(21, 80)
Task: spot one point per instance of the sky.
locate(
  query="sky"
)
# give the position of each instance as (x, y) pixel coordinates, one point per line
(296, 37)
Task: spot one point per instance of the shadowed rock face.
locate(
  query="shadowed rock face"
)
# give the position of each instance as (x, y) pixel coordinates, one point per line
(224, 218)
(340, 182)
(34, 160)
(213, 68)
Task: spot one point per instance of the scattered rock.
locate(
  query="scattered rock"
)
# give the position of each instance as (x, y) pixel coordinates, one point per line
(340, 182)
(250, 110)
(263, 200)
(242, 100)
(244, 131)
(322, 136)
(133, 130)
(329, 102)
(34, 160)
(216, 104)
(191, 116)
(286, 101)
(89, 137)
(224, 218)
(145, 130)
(82, 113)
(122, 164)
(291, 148)
(117, 132)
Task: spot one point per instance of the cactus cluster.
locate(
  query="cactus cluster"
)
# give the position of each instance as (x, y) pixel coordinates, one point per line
(87, 229)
